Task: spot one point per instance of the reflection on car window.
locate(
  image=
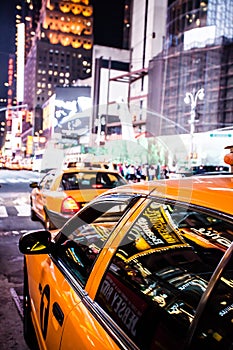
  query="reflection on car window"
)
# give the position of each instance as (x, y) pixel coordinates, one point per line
(83, 237)
(160, 271)
(215, 329)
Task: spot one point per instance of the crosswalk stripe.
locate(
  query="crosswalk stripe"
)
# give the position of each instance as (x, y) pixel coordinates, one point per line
(23, 210)
(23, 180)
(3, 212)
(13, 181)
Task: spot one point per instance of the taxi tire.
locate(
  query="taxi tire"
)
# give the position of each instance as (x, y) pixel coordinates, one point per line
(33, 215)
(28, 328)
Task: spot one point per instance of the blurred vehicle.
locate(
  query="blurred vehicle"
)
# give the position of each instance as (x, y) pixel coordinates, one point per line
(212, 173)
(26, 163)
(2, 163)
(68, 190)
(47, 159)
(201, 169)
(143, 266)
(13, 164)
(37, 160)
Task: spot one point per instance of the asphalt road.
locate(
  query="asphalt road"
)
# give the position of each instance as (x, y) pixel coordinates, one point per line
(14, 221)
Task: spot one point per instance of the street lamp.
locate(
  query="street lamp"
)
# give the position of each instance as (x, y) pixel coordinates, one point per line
(191, 98)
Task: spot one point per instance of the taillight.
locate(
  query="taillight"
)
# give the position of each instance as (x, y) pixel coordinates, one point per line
(70, 206)
(97, 186)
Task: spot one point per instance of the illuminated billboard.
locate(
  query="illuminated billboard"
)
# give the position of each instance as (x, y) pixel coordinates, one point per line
(71, 118)
(20, 61)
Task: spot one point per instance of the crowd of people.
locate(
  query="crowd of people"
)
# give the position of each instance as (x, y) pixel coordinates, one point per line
(133, 173)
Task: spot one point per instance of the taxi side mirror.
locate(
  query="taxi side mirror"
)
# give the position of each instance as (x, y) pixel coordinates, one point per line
(35, 242)
(34, 185)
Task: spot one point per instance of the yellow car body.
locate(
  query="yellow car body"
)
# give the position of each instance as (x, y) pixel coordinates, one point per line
(142, 266)
(68, 190)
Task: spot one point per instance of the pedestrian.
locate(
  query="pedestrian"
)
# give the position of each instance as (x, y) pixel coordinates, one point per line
(151, 173)
(132, 173)
(138, 173)
(158, 171)
(144, 172)
(121, 169)
(166, 172)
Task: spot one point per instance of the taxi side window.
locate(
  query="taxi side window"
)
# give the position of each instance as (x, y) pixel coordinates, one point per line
(159, 272)
(82, 239)
(47, 181)
(215, 329)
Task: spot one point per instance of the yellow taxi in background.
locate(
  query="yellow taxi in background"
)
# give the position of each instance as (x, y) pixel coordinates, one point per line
(67, 191)
(142, 266)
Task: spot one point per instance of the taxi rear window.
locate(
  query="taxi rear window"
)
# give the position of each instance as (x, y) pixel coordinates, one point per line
(89, 180)
(160, 271)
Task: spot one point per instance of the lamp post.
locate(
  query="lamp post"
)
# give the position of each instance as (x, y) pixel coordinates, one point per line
(191, 98)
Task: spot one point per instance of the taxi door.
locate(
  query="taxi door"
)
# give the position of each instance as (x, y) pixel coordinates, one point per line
(64, 318)
(52, 300)
(40, 193)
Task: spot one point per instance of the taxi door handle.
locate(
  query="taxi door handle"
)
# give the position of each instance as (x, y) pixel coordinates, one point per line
(58, 314)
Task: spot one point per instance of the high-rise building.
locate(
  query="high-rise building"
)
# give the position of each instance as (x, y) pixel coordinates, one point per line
(61, 49)
(145, 27)
(197, 54)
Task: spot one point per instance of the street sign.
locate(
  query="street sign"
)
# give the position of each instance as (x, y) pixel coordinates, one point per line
(220, 135)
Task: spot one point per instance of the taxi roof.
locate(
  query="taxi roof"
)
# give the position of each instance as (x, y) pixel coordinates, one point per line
(213, 192)
(91, 169)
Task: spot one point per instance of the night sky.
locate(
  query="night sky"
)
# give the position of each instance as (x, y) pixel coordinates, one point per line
(7, 40)
(108, 22)
(108, 19)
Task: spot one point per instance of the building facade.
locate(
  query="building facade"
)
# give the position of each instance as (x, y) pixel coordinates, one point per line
(197, 54)
(61, 49)
(146, 24)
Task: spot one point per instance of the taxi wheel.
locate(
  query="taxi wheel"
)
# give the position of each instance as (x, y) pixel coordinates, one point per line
(28, 328)
(48, 224)
(33, 215)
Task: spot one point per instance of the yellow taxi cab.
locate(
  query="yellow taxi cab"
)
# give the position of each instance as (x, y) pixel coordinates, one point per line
(142, 266)
(67, 191)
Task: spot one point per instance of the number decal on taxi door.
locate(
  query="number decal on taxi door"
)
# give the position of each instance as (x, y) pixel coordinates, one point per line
(44, 309)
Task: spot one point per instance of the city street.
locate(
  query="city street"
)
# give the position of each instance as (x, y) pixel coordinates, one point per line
(14, 221)
(116, 175)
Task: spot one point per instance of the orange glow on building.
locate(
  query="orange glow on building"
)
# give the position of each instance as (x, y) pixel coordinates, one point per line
(69, 24)
(10, 90)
